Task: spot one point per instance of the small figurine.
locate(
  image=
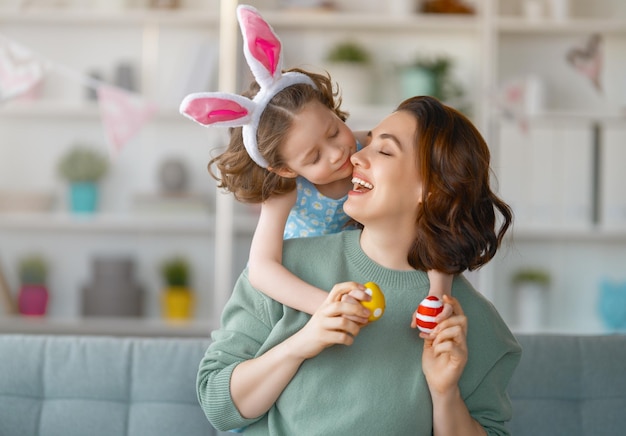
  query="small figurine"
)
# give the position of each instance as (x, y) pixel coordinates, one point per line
(377, 304)
(426, 313)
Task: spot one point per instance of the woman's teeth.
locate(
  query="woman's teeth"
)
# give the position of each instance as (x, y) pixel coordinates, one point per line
(358, 183)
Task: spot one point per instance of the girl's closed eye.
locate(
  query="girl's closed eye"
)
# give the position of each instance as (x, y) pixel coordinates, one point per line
(316, 159)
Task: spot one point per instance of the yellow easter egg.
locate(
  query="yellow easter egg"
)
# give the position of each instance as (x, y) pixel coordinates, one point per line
(377, 304)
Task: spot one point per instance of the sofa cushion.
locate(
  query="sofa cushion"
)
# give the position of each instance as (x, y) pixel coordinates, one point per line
(569, 385)
(65, 385)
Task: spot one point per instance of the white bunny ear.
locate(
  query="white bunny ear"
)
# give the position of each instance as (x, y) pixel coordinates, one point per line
(261, 46)
(217, 109)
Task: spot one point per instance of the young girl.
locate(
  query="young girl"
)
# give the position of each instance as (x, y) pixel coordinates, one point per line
(290, 151)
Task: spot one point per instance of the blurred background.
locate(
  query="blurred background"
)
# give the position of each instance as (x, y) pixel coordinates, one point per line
(108, 213)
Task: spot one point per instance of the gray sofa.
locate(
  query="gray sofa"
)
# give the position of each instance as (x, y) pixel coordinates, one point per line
(88, 385)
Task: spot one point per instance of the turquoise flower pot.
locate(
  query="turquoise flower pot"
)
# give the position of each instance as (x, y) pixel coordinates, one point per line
(83, 197)
(417, 81)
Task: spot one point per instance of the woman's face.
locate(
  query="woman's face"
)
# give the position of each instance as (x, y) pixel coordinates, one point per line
(318, 146)
(387, 185)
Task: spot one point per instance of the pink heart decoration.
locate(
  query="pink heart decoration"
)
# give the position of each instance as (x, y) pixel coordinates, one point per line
(588, 60)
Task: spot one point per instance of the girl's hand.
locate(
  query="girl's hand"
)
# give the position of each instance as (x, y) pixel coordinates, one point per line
(335, 322)
(445, 351)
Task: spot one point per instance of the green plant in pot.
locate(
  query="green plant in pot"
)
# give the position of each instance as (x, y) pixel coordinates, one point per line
(531, 291)
(33, 295)
(177, 299)
(431, 76)
(349, 65)
(83, 167)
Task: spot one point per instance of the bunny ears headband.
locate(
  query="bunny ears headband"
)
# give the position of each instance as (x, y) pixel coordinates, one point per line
(263, 52)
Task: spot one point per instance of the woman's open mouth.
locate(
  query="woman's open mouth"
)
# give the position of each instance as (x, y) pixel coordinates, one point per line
(361, 185)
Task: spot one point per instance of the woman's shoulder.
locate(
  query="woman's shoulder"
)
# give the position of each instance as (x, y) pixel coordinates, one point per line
(486, 328)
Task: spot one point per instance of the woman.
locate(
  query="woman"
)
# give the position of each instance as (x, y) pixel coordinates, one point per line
(423, 176)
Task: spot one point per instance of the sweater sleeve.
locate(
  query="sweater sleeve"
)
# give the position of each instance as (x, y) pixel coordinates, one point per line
(490, 404)
(494, 353)
(246, 311)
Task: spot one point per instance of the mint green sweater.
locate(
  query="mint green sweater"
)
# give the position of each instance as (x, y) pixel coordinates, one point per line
(373, 387)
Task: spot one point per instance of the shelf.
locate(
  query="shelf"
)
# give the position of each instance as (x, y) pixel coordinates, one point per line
(372, 22)
(90, 111)
(10, 324)
(174, 224)
(603, 235)
(516, 25)
(280, 19)
(58, 17)
(69, 109)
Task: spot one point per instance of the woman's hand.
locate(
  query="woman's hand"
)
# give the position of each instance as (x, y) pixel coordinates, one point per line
(337, 321)
(445, 351)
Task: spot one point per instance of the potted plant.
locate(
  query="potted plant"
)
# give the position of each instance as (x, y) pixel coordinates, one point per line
(349, 66)
(33, 294)
(430, 76)
(177, 296)
(531, 285)
(83, 166)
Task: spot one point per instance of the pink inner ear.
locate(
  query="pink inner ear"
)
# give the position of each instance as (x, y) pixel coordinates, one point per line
(270, 51)
(262, 42)
(214, 110)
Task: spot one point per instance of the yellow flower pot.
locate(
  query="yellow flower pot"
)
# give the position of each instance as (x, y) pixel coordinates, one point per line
(178, 303)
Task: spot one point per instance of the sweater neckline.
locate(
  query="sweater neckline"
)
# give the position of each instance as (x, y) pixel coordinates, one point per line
(395, 278)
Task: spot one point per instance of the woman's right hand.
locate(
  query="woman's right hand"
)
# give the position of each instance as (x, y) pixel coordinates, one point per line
(337, 321)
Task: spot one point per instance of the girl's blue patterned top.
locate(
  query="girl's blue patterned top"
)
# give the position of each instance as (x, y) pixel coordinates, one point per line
(314, 214)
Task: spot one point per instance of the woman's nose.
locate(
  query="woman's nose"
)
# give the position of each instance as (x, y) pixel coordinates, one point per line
(357, 158)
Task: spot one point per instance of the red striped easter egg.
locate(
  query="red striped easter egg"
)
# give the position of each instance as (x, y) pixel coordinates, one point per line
(426, 312)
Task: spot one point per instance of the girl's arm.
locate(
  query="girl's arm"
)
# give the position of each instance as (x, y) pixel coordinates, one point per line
(256, 384)
(440, 285)
(265, 268)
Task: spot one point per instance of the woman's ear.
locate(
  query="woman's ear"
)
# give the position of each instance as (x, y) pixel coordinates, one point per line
(284, 172)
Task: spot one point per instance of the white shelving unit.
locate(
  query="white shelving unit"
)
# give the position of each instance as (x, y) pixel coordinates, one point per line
(578, 254)
(493, 45)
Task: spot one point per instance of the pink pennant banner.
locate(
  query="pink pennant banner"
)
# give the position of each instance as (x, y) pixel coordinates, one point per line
(20, 71)
(123, 115)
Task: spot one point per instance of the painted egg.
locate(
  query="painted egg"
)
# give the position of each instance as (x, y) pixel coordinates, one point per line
(426, 312)
(377, 304)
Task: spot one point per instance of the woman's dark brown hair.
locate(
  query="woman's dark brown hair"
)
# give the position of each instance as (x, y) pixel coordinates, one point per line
(237, 171)
(457, 218)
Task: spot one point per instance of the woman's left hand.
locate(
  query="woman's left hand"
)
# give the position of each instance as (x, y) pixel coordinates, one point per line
(445, 350)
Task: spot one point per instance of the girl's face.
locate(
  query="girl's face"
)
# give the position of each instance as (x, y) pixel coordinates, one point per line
(387, 185)
(318, 146)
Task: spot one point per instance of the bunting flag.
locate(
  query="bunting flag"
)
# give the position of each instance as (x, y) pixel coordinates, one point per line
(20, 70)
(123, 115)
(587, 60)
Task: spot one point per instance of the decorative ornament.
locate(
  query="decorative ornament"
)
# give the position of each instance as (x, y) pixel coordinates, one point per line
(426, 313)
(587, 60)
(19, 70)
(377, 304)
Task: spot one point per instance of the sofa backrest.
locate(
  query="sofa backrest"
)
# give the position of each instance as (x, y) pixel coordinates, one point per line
(80, 385)
(570, 385)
